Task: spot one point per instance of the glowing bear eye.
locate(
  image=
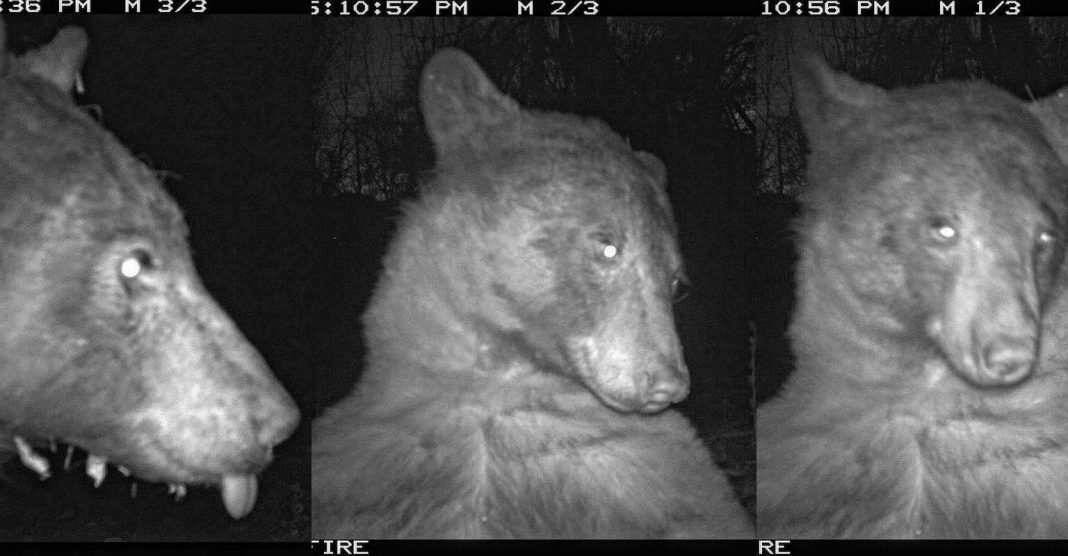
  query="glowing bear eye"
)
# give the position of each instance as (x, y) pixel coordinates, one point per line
(943, 231)
(609, 251)
(135, 263)
(130, 267)
(1046, 239)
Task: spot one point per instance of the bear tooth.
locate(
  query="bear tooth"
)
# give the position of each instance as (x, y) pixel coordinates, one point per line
(66, 460)
(96, 467)
(31, 459)
(239, 494)
(125, 472)
(177, 490)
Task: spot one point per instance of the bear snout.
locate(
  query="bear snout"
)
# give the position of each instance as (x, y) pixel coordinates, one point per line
(665, 386)
(1006, 361)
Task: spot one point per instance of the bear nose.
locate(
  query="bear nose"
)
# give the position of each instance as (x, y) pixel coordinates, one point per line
(1006, 361)
(275, 418)
(668, 385)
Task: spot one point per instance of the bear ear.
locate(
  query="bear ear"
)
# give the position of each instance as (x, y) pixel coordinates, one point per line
(654, 166)
(1052, 112)
(59, 61)
(458, 100)
(826, 99)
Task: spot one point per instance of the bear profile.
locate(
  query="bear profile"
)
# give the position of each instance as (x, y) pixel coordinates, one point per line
(109, 340)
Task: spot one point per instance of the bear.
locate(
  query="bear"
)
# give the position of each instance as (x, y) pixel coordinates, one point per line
(109, 340)
(927, 401)
(522, 352)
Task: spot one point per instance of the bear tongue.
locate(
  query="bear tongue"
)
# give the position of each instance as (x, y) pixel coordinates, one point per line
(239, 494)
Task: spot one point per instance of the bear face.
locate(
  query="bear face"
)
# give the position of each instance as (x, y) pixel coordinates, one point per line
(944, 214)
(110, 342)
(571, 254)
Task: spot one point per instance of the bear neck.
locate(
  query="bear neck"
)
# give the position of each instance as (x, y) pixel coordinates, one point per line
(433, 314)
(844, 342)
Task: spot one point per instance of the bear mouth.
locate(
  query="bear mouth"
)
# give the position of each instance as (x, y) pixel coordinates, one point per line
(991, 361)
(238, 490)
(580, 354)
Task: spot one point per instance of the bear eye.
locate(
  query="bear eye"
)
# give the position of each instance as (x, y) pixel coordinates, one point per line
(1046, 240)
(607, 248)
(1046, 245)
(943, 231)
(680, 286)
(135, 263)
